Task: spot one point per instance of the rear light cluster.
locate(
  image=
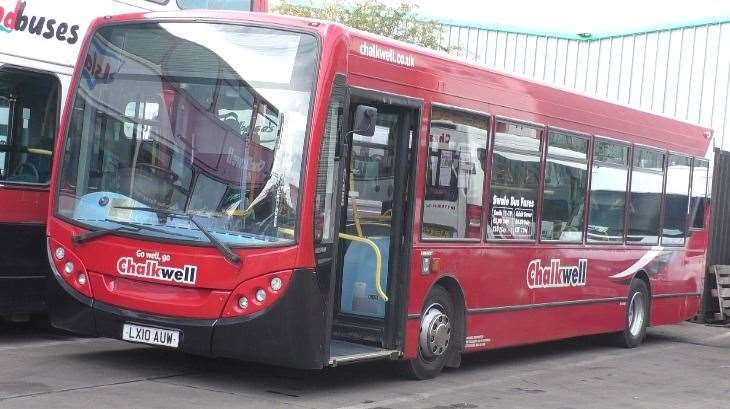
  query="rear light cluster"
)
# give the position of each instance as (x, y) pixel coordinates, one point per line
(69, 267)
(257, 294)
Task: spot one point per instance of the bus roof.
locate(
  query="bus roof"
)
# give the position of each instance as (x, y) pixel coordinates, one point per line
(434, 71)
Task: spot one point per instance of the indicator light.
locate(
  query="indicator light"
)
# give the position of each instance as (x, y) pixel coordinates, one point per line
(81, 279)
(276, 283)
(68, 268)
(426, 258)
(253, 296)
(243, 303)
(60, 253)
(260, 295)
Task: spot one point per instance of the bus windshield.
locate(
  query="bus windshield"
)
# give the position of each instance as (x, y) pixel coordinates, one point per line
(207, 120)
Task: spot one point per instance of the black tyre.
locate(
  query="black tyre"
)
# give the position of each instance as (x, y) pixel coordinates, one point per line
(637, 316)
(436, 336)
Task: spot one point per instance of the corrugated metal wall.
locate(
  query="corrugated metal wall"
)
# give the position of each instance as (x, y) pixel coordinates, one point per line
(718, 251)
(682, 72)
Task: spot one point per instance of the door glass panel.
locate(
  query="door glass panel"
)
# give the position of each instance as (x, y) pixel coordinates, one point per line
(4, 134)
(28, 107)
(369, 213)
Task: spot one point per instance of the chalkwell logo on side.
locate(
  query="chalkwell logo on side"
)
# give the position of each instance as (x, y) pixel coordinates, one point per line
(556, 275)
(151, 269)
(387, 54)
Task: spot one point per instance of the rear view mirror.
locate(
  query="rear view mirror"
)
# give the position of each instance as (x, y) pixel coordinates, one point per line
(365, 118)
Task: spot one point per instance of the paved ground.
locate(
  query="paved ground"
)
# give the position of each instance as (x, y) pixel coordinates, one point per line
(681, 366)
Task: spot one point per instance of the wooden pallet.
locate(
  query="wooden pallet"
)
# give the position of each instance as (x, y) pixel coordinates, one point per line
(722, 291)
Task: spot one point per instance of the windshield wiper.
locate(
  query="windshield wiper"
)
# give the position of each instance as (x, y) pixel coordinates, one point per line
(84, 237)
(90, 235)
(225, 250)
(149, 228)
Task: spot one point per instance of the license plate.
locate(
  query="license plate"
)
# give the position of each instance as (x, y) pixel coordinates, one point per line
(150, 335)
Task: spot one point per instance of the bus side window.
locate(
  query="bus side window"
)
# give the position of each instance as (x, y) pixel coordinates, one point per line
(452, 207)
(676, 200)
(514, 182)
(564, 190)
(700, 186)
(647, 179)
(609, 177)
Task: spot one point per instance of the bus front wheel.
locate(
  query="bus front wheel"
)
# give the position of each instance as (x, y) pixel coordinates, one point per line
(436, 336)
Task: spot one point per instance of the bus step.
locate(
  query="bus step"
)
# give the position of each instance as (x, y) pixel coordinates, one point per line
(343, 353)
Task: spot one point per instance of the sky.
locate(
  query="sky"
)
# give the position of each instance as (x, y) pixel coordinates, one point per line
(571, 17)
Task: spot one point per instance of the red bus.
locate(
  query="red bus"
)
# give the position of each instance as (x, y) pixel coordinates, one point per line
(35, 72)
(302, 194)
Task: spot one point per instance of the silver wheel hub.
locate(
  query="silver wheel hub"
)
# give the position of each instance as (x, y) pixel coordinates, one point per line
(637, 313)
(435, 332)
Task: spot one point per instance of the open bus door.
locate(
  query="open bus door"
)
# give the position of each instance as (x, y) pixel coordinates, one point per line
(372, 245)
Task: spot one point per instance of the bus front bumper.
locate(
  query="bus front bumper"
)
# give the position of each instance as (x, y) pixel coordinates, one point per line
(290, 333)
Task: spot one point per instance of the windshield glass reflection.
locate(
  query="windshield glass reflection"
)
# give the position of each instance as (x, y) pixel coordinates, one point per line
(215, 130)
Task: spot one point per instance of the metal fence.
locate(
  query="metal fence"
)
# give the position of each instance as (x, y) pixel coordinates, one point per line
(681, 72)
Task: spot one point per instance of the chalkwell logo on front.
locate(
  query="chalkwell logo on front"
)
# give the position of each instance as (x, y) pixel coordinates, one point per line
(153, 270)
(387, 54)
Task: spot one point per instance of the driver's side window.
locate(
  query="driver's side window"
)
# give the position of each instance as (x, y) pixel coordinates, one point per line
(28, 120)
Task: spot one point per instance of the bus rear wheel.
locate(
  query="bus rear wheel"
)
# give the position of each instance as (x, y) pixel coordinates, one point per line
(637, 316)
(436, 336)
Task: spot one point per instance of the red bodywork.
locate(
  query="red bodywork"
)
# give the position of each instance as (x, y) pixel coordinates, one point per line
(23, 204)
(500, 308)
(260, 6)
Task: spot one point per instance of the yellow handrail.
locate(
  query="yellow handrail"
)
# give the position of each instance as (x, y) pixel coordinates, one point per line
(287, 231)
(37, 151)
(378, 260)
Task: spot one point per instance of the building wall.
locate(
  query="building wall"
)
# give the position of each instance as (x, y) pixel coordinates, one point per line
(681, 72)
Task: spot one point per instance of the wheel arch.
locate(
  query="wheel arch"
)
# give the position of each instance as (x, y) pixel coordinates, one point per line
(642, 275)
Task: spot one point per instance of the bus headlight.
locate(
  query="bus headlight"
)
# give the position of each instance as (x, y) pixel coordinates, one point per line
(276, 283)
(257, 294)
(67, 267)
(260, 295)
(243, 303)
